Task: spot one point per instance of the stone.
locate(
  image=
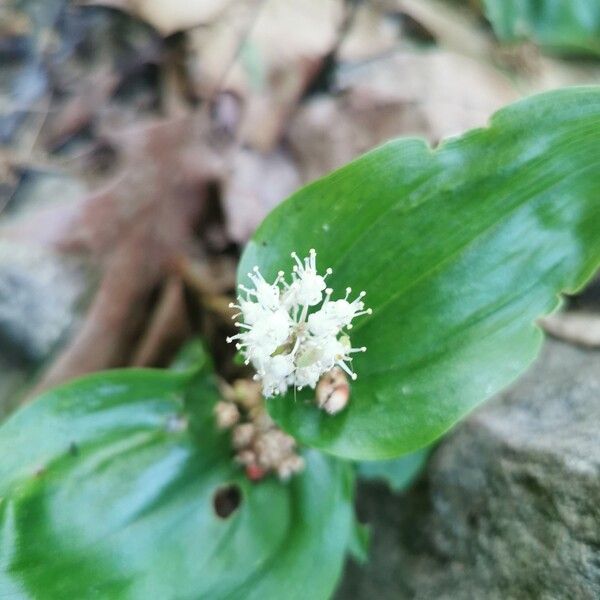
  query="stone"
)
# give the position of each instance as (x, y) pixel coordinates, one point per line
(14, 377)
(42, 295)
(509, 504)
(39, 296)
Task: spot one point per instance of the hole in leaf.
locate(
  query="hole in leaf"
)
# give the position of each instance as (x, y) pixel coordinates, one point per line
(226, 500)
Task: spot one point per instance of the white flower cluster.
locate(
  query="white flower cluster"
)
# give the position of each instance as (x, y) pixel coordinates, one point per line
(287, 339)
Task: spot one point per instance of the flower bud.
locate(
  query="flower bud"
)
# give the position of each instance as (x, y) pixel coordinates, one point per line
(227, 414)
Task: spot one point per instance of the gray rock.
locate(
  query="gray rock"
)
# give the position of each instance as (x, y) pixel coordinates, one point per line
(14, 378)
(509, 506)
(42, 291)
(39, 294)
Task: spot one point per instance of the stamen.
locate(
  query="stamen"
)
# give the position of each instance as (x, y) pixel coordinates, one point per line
(354, 350)
(298, 261)
(245, 289)
(347, 369)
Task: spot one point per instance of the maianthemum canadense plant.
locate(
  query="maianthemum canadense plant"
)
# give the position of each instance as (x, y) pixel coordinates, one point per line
(108, 484)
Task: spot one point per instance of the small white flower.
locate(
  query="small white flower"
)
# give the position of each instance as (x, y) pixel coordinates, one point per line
(288, 339)
(307, 285)
(308, 376)
(274, 373)
(261, 338)
(267, 295)
(251, 311)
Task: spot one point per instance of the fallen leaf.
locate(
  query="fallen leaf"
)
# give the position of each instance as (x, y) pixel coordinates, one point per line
(267, 59)
(580, 328)
(458, 29)
(167, 329)
(212, 51)
(80, 109)
(454, 27)
(132, 228)
(372, 32)
(434, 94)
(256, 184)
(168, 17)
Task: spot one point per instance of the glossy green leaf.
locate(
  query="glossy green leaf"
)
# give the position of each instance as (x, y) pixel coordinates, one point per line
(107, 490)
(398, 473)
(568, 26)
(193, 356)
(460, 249)
(359, 543)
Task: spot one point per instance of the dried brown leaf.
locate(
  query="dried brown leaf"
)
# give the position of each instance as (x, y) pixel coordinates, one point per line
(267, 60)
(433, 94)
(168, 17)
(580, 328)
(168, 326)
(79, 110)
(372, 32)
(132, 228)
(454, 27)
(256, 184)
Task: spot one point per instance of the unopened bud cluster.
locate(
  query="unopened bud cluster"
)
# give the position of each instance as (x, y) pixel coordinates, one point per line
(293, 332)
(259, 445)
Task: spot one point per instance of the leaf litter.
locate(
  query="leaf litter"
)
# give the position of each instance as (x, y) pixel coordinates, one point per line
(174, 128)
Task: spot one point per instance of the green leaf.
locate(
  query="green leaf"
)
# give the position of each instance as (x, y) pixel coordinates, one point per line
(192, 356)
(567, 26)
(107, 490)
(460, 249)
(360, 542)
(398, 473)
